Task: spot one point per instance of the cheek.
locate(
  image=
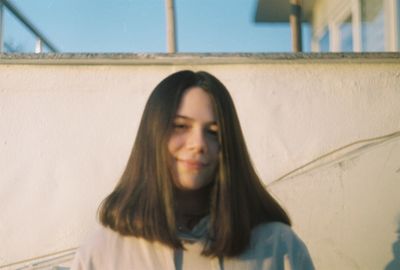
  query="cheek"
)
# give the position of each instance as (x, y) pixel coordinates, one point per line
(214, 149)
(174, 144)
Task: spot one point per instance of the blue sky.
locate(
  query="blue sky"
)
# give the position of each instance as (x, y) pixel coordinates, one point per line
(139, 26)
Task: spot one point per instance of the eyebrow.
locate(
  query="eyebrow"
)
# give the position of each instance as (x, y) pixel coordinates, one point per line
(191, 119)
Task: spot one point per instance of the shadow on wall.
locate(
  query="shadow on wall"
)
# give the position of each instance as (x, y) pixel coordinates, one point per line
(395, 263)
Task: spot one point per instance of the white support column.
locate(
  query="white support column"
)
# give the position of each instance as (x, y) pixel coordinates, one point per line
(391, 15)
(1, 27)
(39, 46)
(356, 18)
(334, 38)
(295, 25)
(171, 36)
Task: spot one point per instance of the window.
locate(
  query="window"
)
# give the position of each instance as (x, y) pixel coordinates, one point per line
(397, 31)
(324, 42)
(346, 35)
(373, 25)
(359, 25)
(343, 29)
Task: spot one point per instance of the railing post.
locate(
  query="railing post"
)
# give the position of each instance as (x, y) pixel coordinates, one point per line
(171, 35)
(1, 26)
(295, 24)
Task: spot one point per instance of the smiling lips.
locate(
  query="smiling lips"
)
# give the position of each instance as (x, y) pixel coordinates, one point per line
(192, 164)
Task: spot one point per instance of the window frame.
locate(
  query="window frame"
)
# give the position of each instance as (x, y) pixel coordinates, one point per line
(349, 8)
(391, 9)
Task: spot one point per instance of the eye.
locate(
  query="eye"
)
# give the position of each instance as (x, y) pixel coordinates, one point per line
(213, 133)
(180, 126)
(213, 130)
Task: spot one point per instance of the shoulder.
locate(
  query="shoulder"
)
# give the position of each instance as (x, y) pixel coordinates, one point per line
(92, 251)
(100, 239)
(274, 231)
(278, 240)
(107, 249)
(277, 234)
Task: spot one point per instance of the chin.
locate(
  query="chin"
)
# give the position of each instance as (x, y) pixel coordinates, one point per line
(191, 185)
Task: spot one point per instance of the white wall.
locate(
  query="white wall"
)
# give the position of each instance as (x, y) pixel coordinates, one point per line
(66, 131)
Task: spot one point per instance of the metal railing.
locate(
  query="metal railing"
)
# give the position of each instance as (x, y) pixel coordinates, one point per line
(53, 261)
(40, 37)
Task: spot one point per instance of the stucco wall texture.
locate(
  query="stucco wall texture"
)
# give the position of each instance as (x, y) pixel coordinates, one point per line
(66, 131)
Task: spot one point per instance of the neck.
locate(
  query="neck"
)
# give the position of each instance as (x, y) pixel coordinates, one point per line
(191, 205)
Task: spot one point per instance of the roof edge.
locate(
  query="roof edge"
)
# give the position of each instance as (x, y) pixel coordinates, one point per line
(187, 58)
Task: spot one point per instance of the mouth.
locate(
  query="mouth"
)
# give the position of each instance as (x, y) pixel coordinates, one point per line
(192, 164)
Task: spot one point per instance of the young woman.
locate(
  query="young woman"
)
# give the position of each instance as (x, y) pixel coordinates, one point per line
(189, 197)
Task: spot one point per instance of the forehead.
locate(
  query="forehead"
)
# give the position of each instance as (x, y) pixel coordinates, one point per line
(197, 105)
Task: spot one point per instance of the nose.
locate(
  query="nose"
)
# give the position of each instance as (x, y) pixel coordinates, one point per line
(197, 140)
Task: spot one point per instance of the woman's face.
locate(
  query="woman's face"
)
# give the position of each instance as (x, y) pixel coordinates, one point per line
(194, 145)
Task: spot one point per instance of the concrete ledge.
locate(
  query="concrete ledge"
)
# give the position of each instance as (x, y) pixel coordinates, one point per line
(190, 58)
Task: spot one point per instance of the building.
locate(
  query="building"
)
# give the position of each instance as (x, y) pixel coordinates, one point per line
(342, 25)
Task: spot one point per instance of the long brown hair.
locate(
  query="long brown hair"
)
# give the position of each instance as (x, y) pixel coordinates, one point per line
(142, 202)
